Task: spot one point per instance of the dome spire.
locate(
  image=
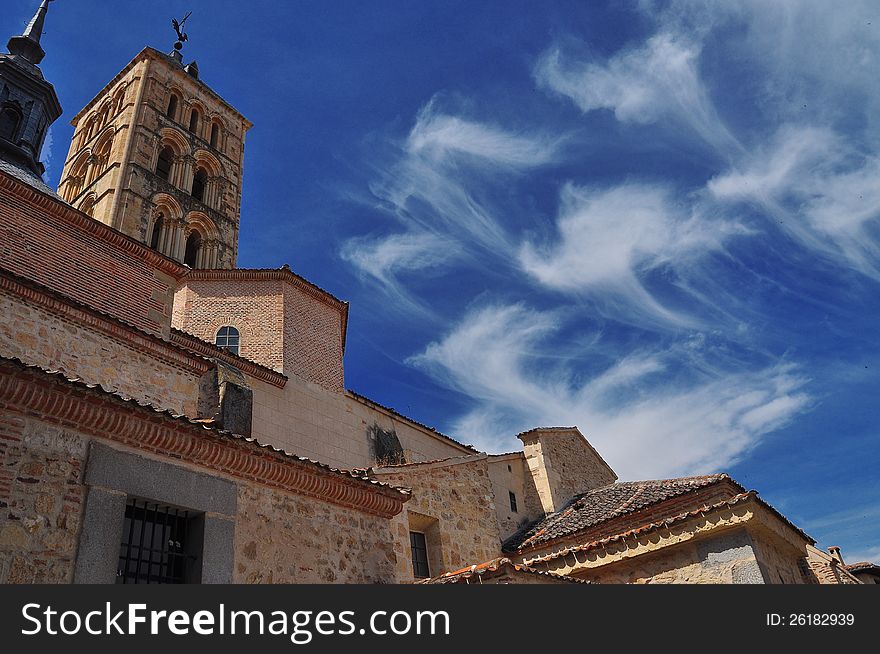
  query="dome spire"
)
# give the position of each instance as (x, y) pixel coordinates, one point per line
(28, 44)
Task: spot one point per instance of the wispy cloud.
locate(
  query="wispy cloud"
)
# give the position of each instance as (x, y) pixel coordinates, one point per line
(817, 187)
(385, 259)
(658, 80)
(644, 422)
(608, 237)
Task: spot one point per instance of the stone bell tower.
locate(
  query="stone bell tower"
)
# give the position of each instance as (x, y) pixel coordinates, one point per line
(158, 155)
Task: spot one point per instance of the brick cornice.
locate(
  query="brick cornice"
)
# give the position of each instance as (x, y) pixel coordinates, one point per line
(87, 317)
(99, 413)
(252, 368)
(97, 230)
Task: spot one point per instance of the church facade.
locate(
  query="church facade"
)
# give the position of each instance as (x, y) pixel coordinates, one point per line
(168, 417)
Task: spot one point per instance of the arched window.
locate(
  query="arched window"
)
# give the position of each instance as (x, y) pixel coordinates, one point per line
(88, 206)
(172, 107)
(227, 337)
(200, 183)
(163, 164)
(215, 135)
(157, 231)
(193, 245)
(9, 122)
(194, 121)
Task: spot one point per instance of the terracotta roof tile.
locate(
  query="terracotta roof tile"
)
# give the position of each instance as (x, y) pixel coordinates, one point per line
(603, 504)
(464, 575)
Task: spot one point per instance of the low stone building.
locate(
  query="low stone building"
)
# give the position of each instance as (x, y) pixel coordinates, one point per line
(167, 417)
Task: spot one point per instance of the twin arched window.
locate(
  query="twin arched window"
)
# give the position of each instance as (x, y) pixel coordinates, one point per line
(193, 246)
(228, 338)
(215, 135)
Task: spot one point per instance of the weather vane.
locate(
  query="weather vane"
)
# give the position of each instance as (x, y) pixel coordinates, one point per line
(181, 35)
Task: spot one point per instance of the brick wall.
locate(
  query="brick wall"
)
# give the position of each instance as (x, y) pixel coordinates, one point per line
(282, 326)
(43, 240)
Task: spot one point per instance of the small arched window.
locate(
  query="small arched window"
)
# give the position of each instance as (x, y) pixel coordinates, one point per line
(164, 162)
(193, 245)
(215, 135)
(194, 121)
(88, 206)
(157, 231)
(172, 107)
(9, 122)
(200, 183)
(227, 337)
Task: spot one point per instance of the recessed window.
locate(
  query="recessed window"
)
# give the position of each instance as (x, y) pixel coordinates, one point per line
(512, 497)
(172, 107)
(419, 548)
(9, 121)
(158, 545)
(194, 121)
(193, 247)
(215, 135)
(200, 183)
(227, 337)
(157, 231)
(163, 163)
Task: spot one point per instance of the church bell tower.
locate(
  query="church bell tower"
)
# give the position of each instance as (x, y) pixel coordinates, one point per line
(158, 155)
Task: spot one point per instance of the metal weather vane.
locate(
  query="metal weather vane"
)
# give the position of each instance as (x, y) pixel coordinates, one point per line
(178, 27)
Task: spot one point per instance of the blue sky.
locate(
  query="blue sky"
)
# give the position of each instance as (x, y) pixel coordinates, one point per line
(659, 221)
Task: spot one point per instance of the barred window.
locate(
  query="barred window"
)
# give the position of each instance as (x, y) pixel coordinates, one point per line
(158, 546)
(419, 547)
(227, 337)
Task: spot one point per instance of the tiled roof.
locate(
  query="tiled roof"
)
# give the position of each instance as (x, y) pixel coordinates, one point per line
(28, 178)
(205, 425)
(603, 504)
(862, 566)
(475, 573)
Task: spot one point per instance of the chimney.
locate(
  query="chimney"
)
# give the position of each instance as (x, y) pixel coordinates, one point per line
(834, 550)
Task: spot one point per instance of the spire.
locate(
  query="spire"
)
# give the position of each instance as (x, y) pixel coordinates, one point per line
(28, 44)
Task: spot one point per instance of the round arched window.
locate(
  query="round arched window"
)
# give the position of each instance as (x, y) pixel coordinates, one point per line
(227, 337)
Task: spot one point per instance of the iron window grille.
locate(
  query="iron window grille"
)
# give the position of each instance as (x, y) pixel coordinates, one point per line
(228, 338)
(156, 547)
(419, 547)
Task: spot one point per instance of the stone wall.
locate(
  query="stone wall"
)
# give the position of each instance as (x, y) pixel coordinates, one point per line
(336, 428)
(509, 473)
(727, 558)
(563, 464)
(282, 538)
(454, 505)
(41, 497)
(36, 336)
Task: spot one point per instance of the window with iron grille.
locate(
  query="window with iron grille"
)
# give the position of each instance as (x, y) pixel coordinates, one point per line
(512, 501)
(227, 337)
(419, 547)
(158, 545)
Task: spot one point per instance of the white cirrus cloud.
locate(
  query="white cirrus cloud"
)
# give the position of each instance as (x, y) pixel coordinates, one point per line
(816, 186)
(607, 237)
(659, 80)
(643, 422)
